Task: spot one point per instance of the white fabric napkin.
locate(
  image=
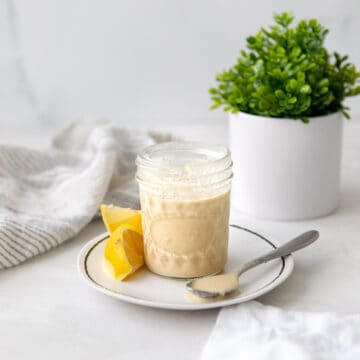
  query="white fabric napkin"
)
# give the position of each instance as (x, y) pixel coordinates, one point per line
(47, 197)
(258, 332)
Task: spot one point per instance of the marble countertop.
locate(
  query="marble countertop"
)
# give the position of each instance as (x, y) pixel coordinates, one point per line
(47, 310)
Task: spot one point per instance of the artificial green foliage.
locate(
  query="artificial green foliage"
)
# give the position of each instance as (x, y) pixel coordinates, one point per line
(287, 73)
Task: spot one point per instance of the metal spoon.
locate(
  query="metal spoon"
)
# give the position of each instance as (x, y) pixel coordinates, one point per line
(227, 284)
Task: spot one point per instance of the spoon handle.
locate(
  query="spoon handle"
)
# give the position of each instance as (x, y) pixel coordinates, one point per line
(295, 244)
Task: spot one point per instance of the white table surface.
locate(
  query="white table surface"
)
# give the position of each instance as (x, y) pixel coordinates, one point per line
(47, 311)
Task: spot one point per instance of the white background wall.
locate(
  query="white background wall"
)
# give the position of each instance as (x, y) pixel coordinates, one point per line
(136, 61)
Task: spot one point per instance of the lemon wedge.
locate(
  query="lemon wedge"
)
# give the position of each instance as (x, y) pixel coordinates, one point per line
(124, 252)
(124, 249)
(114, 216)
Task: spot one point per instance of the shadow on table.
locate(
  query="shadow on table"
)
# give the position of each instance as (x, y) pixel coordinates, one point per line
(349, 200)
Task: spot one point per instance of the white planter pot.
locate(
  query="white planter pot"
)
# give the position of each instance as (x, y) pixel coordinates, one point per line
(285, 169)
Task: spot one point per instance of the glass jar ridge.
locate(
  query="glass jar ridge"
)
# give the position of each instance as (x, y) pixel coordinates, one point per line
(192, 169)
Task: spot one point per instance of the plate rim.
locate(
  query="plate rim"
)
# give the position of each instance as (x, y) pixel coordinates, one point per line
(287, 269)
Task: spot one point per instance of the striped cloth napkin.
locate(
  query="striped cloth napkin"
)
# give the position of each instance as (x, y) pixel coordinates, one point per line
(47, 197)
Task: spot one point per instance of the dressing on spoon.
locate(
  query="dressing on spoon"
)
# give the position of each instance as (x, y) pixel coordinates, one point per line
(224, 285)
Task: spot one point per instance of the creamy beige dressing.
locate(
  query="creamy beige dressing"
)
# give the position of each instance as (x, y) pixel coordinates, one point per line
(220, 284)
(185, 238)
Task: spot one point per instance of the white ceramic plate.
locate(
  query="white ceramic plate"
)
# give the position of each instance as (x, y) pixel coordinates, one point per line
(147, 289)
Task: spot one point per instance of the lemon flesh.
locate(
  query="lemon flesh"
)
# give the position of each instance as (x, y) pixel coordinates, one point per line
(124, 252)
(114, 216)
(124, 249)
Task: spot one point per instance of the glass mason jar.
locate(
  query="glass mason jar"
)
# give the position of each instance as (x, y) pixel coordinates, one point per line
(185, 202)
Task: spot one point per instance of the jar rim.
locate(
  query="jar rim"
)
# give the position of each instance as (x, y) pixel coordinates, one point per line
(203, 155)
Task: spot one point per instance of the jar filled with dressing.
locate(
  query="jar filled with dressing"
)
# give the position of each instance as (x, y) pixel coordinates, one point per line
(185, 202)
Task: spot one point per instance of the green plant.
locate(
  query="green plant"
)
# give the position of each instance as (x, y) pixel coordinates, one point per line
(287, 73)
